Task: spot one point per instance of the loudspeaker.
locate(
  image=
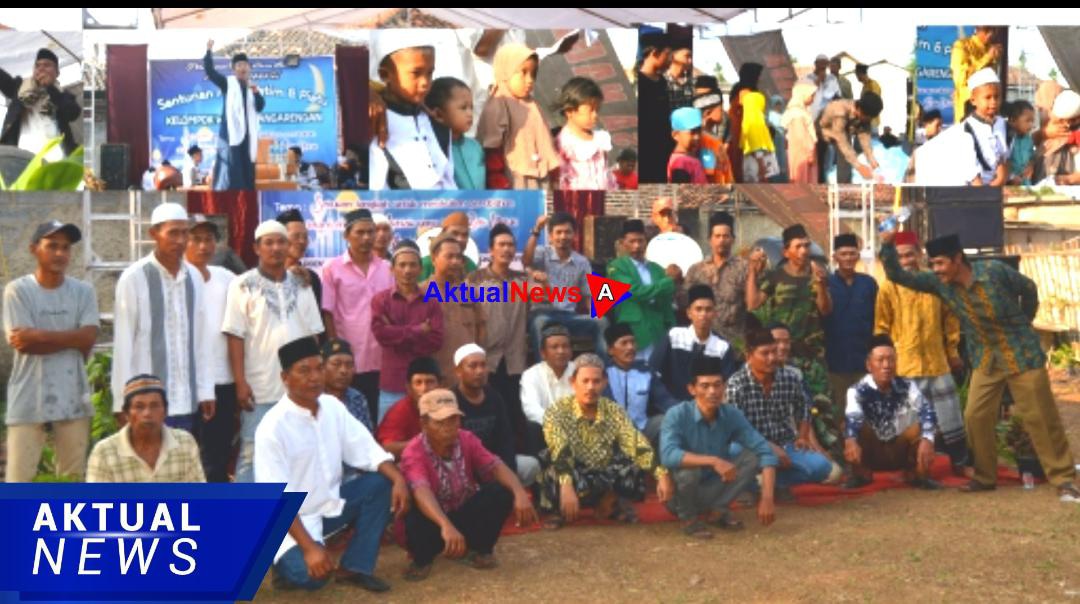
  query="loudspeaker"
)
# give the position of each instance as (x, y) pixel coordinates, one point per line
(976, 214)
(115, 165)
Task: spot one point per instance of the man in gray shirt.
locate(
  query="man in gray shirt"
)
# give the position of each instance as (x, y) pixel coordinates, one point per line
(51, 321)
(561, 267)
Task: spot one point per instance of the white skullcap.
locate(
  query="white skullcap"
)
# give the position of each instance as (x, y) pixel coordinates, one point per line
(388, 41)
(982, 77)
(270, 227)
(166, 212)
(380, 219)
(821, 57)
(1066, 105)
(467, 350)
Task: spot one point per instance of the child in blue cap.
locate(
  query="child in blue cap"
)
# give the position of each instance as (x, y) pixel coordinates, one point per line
(684, 165)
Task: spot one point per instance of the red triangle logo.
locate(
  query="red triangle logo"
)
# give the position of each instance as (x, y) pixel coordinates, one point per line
(606, 294)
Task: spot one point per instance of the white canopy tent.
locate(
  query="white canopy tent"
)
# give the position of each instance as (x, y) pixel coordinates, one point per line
(495, 18)
(21, 47)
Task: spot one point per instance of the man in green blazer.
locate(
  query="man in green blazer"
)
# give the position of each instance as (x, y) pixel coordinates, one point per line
(648, 310)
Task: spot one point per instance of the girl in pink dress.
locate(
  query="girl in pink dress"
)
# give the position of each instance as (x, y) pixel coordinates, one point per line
(582, 148)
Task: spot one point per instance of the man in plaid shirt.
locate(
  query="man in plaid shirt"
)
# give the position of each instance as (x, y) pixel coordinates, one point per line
(774, 401)
(145, 449)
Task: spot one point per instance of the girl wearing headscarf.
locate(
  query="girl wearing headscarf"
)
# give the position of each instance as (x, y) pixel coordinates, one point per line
(518, 148)
(798, 124)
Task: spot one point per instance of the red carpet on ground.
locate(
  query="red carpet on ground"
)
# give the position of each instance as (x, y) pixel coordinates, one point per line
(651, 510)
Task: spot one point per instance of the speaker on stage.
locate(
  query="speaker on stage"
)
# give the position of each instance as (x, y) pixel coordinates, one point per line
(115, 163)
(976, 214)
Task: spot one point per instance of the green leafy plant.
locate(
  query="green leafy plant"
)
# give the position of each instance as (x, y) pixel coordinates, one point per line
(1065, 357)
(99, 372)
(47, 468)
(41, 175)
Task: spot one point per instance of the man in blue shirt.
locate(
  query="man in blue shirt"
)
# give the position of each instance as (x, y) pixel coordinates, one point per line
(850, 325)
(672, 353)
(633, 385)
(695, 445)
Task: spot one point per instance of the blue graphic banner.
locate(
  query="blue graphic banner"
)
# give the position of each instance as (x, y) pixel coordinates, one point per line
(301, 108)
(409, 212)
(141, 542)
(933, 52)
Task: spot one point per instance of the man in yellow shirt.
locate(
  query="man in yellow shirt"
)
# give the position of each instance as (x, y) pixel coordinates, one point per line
(968, 56)
(868, 85)
(927, 338)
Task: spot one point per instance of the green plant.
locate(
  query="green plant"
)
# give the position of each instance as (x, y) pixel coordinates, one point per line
(1065, 357)
(40, 175)
(1014, 443)
(47, 468)
(99, 372)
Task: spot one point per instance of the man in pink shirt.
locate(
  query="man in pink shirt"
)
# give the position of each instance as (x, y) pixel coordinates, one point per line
(463, 492)
(350, 283)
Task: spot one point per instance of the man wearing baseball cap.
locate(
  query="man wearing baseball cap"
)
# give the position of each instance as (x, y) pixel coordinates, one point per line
(463, 492)
(159, 326)
(51, 321)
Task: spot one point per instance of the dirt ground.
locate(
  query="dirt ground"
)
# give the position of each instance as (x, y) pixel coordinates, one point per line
(1007, 546)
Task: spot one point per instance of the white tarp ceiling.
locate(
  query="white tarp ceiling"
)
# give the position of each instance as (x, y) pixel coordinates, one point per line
(497, 18)
(20, 49)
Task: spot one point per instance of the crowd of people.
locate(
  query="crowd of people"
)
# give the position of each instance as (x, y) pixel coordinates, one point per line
(815, 136)
(349, 383)
(425, 136)
(994, 141)
(998, 143)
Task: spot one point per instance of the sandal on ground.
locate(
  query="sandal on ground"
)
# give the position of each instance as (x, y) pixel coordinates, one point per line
(697, 529)
(554, 522)
(857, 482)
(974, 486)
(625, 513)
(726, 522)
(417, 573)
(926, 484)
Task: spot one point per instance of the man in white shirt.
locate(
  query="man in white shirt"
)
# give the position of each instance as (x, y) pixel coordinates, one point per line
(546, 382)
(158, 327)
(266, 307)
(215, 435)
(828, 87)
(303, 441)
